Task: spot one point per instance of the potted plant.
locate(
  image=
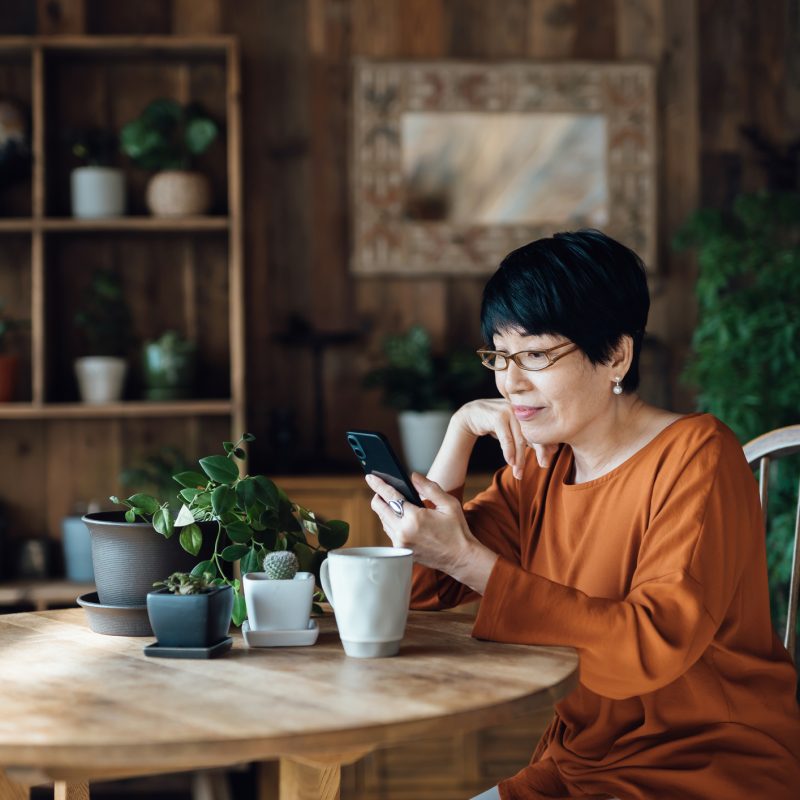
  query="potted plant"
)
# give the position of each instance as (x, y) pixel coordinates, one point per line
(9, 362)
(165, 138)
(97, 187)
(105, 323)
(189, 610)
(744, 361)
(243, 516)
(425, 388)
(169, 364)
(281, 596)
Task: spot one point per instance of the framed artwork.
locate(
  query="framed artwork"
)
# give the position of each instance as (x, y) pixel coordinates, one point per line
(455, 164)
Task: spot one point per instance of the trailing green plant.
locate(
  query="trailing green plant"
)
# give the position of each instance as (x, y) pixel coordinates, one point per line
(168, 135)
(154, 474)
(187, 583)
(745, 359)
(105, 318)
(414, 378)
(8, 325)
(253, 517)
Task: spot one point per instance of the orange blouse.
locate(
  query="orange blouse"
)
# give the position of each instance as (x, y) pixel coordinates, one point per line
(656, 573)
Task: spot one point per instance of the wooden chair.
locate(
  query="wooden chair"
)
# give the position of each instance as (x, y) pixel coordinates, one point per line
(761, 452)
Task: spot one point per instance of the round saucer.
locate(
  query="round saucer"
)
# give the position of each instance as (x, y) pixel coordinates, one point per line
(115, 620)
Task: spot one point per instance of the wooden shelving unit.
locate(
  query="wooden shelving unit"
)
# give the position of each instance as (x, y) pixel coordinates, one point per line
(185, 274)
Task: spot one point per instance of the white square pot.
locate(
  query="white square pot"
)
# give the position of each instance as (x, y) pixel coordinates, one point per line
(275, 605)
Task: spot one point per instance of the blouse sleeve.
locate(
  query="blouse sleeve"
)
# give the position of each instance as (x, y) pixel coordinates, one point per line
(493, 518)
(703, 527)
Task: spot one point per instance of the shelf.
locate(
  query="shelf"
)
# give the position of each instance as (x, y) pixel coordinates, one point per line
(134, 408)
(115, 224)
(123, 45)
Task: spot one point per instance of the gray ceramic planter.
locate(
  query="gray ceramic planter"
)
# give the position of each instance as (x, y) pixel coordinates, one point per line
(192, 620)
(129, 557)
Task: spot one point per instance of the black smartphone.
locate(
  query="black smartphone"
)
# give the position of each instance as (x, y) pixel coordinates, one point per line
(376, 456)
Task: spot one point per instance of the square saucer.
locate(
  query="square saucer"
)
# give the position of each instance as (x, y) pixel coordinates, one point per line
(155, 650)
(296, 638)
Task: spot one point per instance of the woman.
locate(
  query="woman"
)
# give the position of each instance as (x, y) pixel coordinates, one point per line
(625, 531)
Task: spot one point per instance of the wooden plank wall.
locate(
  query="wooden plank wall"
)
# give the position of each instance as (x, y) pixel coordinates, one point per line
(721, 64)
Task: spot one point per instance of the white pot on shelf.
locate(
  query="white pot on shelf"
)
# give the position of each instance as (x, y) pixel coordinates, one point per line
(97, 192)
(101, 379)
(422, 434)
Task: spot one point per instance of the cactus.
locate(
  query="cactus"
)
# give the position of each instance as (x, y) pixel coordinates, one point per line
(282, 565)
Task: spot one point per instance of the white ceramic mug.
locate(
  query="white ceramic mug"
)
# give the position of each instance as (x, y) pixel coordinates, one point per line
(369, 589)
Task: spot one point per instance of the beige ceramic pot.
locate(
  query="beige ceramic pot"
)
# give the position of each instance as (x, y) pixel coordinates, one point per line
(176, 193)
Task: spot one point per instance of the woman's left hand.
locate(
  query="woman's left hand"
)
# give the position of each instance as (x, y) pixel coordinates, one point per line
(439, 536)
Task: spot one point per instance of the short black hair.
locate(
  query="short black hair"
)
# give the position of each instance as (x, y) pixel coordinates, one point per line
(583, 285)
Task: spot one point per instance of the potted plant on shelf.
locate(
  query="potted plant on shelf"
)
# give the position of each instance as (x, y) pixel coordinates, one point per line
(425, 388)
(190, 611)
(245, 517)
(9, 362)
(97, 187)
(166, 138)
(169, 365)
(105, 322)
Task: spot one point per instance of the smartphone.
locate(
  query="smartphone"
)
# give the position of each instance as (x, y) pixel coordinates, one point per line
(376, 456)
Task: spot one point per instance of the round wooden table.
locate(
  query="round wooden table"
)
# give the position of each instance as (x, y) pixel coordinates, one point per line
(77, 707)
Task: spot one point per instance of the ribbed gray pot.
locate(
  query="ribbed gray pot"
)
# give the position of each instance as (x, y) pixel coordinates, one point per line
(128, 557)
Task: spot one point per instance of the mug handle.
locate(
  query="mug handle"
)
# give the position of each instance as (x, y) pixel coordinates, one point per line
(325, 581)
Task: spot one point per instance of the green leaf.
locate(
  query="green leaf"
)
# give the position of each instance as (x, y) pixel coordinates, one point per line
(188, 494)
(190, 479)
(148, 504)
(222, 500)
(203, 500)
(240, 454)
(252, 561)
(162, 521)
(266, 492)
(234, 552)
(239, 613)
(305, 555)
(333, 534)
(228, 447)
(246, 493)
(248, 437)
(239, 531)
(191, 539)
(130, 515)
(204, 566)
(200, 133)
(220, 469)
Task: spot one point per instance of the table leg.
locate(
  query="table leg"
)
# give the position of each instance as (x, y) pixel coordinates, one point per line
(71, 791)
(309, 781)
(12, 791)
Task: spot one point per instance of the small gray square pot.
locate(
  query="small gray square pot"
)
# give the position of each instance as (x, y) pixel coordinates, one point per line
(190, 620)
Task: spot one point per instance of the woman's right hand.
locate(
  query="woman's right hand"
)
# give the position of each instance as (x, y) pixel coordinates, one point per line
(494, 417)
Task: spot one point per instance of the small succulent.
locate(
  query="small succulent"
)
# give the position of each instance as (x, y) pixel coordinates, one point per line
(282, 565)
(184, 583)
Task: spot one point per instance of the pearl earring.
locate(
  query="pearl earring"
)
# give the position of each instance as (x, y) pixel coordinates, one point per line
(617, 385)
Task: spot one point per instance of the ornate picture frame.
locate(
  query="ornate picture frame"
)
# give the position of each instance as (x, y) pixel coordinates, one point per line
(386, 240)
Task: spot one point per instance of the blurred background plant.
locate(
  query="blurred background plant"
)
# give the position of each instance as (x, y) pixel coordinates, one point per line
(105, 318)
(745, 360)
(153, 475)
(95, 147)
(414, 378)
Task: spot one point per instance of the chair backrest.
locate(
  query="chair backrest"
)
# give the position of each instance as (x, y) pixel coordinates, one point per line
(761, 452)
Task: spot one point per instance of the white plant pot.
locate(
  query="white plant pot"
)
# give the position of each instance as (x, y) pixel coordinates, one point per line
(101, 378)
(178, 193)
(422, 434)
(275, 605)
(97, 192)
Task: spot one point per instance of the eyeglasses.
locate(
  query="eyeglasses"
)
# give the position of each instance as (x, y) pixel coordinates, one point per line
(531, 360)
